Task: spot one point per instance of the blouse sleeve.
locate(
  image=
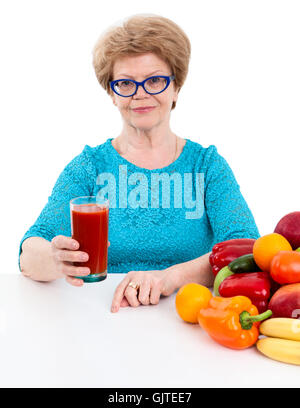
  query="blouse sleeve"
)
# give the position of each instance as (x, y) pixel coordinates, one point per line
(227, 210)
(76, 180)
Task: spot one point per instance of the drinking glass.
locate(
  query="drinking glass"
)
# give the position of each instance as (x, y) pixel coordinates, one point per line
(89, 222)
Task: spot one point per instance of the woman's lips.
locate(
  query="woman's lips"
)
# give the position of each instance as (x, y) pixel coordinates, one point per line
(144, 109)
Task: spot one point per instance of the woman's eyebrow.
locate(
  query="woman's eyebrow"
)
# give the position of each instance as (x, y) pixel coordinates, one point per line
(129, 76)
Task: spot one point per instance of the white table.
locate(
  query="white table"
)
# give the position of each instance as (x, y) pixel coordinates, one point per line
(57, 335)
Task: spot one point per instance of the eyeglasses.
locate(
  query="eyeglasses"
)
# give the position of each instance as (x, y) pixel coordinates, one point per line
(153, 85)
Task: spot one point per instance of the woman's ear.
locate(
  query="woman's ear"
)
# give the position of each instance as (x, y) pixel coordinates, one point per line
(176, 92)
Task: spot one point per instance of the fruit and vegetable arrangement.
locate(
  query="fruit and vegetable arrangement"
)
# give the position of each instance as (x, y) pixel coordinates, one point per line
(256, 294)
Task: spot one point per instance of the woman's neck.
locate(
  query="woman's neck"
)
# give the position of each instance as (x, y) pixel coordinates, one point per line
(148, 149)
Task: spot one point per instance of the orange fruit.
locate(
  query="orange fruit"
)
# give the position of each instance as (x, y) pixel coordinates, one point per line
(190, 299)
(266, 247)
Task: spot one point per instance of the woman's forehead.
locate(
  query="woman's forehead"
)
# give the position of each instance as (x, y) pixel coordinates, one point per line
(139, 65)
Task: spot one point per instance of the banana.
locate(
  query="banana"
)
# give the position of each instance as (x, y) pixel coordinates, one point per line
(281, 327)
(286, 351)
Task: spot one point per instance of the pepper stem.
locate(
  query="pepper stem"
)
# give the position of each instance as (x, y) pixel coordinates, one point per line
(247, 320)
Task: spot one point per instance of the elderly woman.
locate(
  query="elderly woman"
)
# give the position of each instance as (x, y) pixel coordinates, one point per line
(160, 238)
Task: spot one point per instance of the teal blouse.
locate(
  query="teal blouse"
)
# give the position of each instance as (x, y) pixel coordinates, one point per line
(159, 217)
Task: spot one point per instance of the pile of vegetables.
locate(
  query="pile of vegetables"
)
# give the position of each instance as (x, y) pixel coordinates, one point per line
(266, 270)
(256, 292)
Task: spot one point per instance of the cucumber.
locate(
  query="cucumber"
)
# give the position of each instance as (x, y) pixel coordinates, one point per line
(244, 263)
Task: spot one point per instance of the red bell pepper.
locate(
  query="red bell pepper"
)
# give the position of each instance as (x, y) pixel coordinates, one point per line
(254, 285)
(225, 252)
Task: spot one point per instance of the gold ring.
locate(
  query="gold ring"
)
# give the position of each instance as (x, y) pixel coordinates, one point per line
(134, 285)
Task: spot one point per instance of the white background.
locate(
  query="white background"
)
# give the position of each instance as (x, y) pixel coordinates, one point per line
(242, 94)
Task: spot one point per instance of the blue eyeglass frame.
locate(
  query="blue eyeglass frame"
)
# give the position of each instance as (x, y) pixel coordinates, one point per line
(168, 78)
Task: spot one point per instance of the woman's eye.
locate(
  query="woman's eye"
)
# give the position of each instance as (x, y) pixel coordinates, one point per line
(124, 83)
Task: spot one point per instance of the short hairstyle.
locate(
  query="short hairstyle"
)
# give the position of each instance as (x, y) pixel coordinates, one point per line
(139, 35)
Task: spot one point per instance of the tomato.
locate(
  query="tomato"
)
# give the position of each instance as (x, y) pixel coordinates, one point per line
(285, 267)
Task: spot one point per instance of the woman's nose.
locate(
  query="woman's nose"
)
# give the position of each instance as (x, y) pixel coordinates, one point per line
(140, 93)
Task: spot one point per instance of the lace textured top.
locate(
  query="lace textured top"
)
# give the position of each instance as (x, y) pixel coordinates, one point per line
(157, 218)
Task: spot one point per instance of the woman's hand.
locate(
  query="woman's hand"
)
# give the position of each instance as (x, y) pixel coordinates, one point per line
(151, 285)
(65, 251)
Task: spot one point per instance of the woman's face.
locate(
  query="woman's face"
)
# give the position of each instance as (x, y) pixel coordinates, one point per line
(139, 68)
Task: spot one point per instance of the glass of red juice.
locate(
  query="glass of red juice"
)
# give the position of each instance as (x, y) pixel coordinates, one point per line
(89, 223)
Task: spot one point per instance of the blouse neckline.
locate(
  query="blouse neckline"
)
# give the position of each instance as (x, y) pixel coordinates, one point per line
(121, 159)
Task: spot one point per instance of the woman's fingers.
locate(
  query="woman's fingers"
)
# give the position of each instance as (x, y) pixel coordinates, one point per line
(148, 292)
(155, 294)
(131, 295)
(64, 255)
(119, 294)
(144, 291)
(62, 242)
(70, 270)
(74, 281)
(124, 302)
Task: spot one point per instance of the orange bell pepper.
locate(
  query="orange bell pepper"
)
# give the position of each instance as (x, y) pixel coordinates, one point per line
(232, 322)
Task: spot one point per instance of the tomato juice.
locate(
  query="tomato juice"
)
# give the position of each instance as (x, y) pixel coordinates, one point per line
(90, 229)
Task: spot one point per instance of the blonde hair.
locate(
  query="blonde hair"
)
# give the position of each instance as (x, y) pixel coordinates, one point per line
(142, 34)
